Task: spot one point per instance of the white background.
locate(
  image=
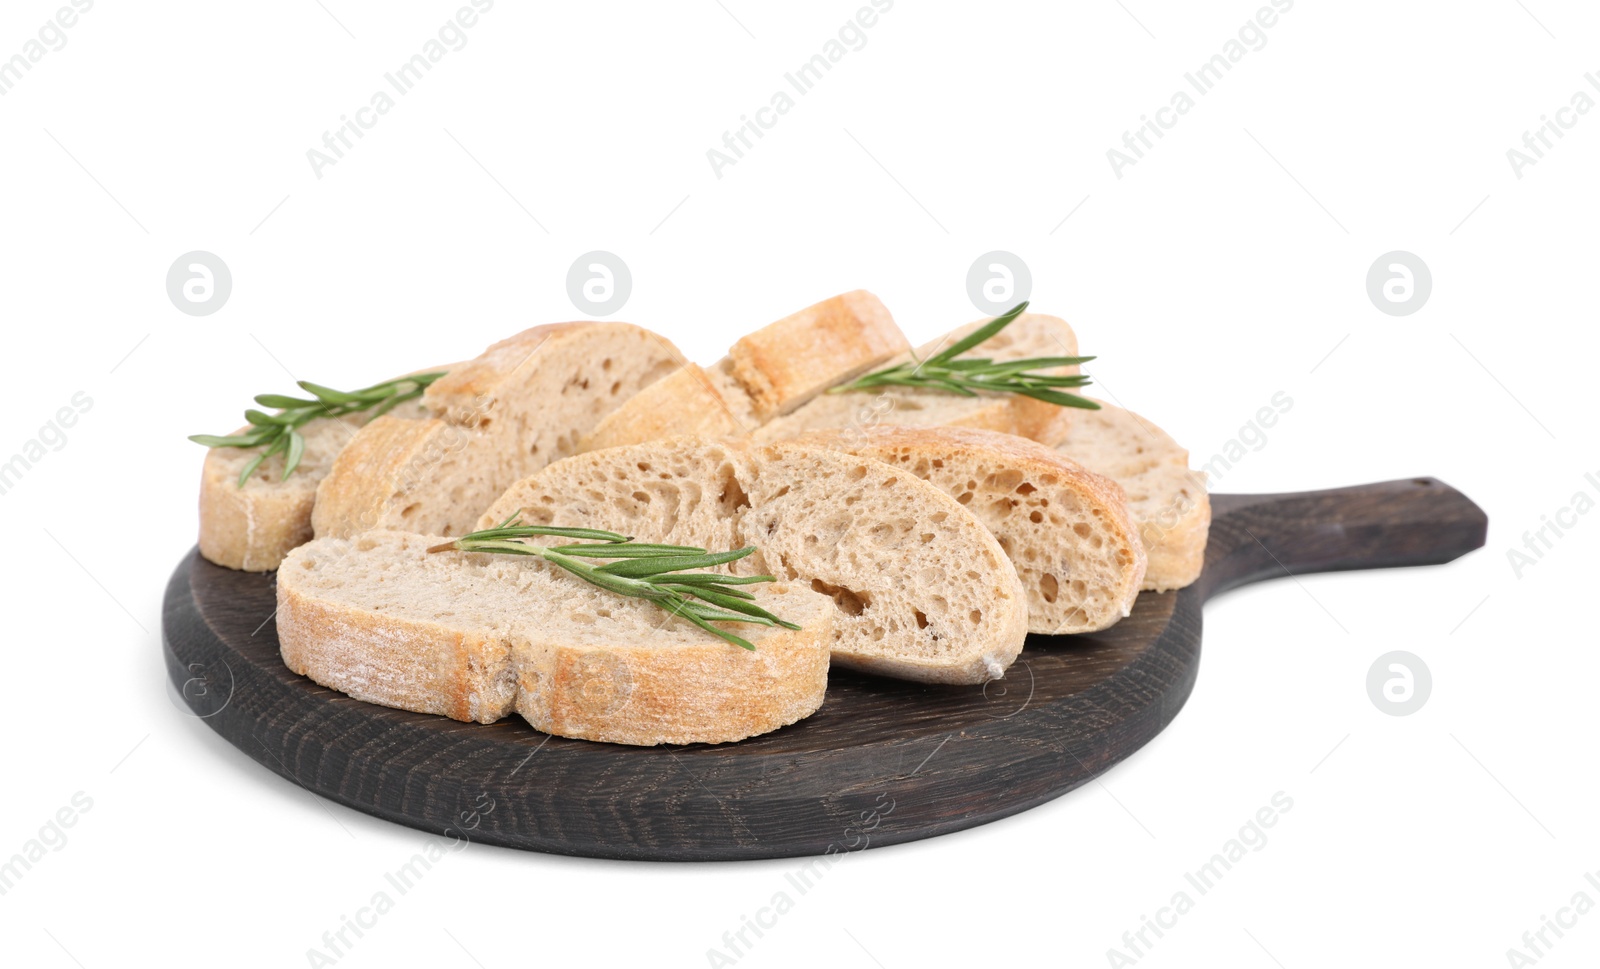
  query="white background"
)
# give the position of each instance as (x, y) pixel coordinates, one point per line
(1226, 266)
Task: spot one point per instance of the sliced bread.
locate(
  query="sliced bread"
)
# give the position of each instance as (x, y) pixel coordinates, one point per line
(252, 528)
(770, 372)
(1031, 335)
(1066, 529)
(784, 364)
(522, 404)
(921, 590)
(1168, 501)
(685, 402)
(475, 637)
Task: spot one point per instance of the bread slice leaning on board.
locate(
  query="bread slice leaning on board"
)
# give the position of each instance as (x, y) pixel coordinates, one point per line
(475, 637)
(1031, 335)
(252, 528)
(921, 590)
(1167, 500)
(524, 403)
(1066, 529)
(765, 374)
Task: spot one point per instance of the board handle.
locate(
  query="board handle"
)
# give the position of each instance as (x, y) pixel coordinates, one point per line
(1412, 521)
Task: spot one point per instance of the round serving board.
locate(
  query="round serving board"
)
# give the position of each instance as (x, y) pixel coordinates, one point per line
(882, 762)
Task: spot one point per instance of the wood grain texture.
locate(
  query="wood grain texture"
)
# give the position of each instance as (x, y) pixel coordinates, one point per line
(882, 762)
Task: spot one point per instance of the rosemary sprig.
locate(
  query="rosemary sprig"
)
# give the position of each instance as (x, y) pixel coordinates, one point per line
(639, 570)
(281, 431)
(948, 370)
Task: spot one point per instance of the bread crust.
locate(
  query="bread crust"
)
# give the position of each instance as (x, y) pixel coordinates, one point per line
(250, 529)
(469, 393)
(711, 694)
(709, 691)
(421, 667)
(251, 533)
(787, 363)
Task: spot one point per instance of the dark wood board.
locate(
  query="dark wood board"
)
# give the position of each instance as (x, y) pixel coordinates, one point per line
(882, 762)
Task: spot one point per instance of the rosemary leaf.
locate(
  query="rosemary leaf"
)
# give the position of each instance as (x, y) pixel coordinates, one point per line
(296, 451)
(631, 550)
(1058, 398)
(233, 440)
(980, 335)
(691, 589)
(638, 568)
(734, 603)
(717, 578)
(283, 403)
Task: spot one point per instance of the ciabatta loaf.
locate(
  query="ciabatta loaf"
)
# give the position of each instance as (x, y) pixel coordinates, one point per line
(475, 637)
(522, 404)
(1031, 335)
(1168, 501)
(768, 373)
(252, 528)
(921, 590)
(1066, 529)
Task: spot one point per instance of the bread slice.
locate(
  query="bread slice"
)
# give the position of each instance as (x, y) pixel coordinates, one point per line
(1066, 529)
(252, 528)
(767, 373)
(522, 404)
(474, 637)
(1168, 501)
(784, 364)
(1031, 335)
(731, 395)
(685, 402)
(921, 589)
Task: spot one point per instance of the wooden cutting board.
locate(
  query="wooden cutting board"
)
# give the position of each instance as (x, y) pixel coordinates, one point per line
(882, 762)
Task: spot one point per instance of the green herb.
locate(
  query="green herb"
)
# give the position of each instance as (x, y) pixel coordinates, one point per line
(948, 370)
(281, 431)
(640, 570)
